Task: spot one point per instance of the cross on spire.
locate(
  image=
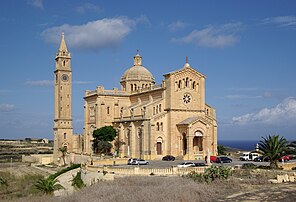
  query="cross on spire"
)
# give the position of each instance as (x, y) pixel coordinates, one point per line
(186, 59)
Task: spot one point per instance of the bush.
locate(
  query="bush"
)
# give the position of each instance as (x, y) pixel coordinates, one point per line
(77, 181)
(3, 181)
(211, 174)
(249, 166)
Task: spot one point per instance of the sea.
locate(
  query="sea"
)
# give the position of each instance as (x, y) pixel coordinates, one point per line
(246, 145)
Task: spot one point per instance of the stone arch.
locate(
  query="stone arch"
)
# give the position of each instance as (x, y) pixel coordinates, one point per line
(198, 142)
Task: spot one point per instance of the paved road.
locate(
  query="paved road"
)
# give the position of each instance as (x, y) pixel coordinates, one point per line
(168, 164)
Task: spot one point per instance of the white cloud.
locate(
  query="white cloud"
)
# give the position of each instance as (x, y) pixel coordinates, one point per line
(176, 26)
(94, 35)
(6, 107)
(36, 3)
(213, 37)
(40, 83)
(282, 21)
(285, 111)
(88, 7)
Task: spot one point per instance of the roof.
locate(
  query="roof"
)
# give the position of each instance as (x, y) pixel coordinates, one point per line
(189, 120)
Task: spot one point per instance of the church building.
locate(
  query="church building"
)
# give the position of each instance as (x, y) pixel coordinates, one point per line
(152, 119)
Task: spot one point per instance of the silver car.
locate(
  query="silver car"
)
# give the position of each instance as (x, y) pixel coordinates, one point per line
(186, 164)
(140, 162)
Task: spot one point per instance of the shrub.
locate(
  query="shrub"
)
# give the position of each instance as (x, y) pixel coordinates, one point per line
(211, 174)
(249, 166)
(77, 181)
(3, 181)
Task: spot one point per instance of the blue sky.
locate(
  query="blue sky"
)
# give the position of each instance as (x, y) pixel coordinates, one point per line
(247, 50)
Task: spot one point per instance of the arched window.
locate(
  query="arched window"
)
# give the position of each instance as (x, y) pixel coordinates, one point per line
(157, 126)
(193, 85)
(153, 110)
(156, 109)
(132, 87)
(180, 84)
(186, 82)
(159, 107)
(108, 110)
(64, 63)
(161, 126)
(65, 135)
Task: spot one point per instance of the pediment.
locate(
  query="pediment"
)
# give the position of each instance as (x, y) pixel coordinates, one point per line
(186, 71)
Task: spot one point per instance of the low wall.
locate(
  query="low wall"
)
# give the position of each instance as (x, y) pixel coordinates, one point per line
(112, 161)
(38, 158)
(173, 171)
(288, 166)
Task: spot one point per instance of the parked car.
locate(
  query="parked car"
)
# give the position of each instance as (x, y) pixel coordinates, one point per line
(213, 159)
(285, 158)
(223, 159)
(129, 162)
(200, 164)
(186, 164)
(140, 162)
(248, 156)
(261, 159)
(168, 158)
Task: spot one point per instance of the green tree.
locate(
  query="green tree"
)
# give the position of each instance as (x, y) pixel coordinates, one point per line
(221, 150)
(63, 150)
(102, 138)
(48, 185)
(272, 147)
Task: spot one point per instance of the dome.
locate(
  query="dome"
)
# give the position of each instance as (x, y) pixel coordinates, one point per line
(137, 72)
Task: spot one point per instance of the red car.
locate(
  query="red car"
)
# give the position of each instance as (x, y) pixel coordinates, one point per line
(285, 158)
(213, 159)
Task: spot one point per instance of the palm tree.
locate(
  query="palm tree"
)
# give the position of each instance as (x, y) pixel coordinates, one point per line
(64, 152)
(48, 185)
(272, 147)
(221, 150)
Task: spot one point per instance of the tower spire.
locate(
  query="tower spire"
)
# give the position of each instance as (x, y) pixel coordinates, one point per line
(63, 46)
(63, 50)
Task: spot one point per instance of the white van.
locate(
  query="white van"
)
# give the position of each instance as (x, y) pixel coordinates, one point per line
(248, 156)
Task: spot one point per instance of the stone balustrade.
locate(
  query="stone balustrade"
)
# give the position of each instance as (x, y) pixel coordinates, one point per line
(173, 171)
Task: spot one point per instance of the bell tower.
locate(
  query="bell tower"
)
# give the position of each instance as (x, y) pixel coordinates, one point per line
(63, 129)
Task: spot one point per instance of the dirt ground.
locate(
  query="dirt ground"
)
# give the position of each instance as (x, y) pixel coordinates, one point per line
(266, 192)
(246, 186)
(19, 169)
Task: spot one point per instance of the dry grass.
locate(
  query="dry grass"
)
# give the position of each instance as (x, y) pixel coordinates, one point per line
(151, 188)
(244, 185)
(146, 189)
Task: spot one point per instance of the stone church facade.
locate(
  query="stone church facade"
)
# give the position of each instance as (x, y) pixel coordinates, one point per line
(152, 119)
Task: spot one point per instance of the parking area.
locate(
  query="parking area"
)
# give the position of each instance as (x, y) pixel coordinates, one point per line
(168, 164)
